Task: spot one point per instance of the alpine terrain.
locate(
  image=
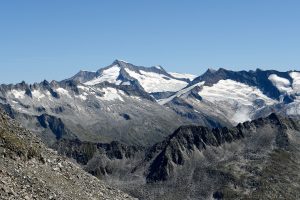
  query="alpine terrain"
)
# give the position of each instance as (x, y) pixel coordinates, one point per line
(30, 170)
(154, 134)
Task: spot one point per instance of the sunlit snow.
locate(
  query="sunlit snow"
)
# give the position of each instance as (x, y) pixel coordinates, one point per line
(63, 91)
(37, 94)
(282, 84)
(110, 75)
(296, 82)
(18, 94)
(111, 94)
(237, 96)
(154, 82)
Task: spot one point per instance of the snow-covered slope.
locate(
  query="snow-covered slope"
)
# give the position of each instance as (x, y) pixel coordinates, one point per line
(152, 80)
(110, 75)
(140, 105)
(232, 91)
(240, 98)
(155, 82)
(282, 84)
(296, 82)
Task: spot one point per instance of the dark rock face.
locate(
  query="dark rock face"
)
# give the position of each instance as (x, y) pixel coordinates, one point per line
(218, 195)
(190, 138)
(83, 76)
(125, 116)
(84, 151)
(55, 124)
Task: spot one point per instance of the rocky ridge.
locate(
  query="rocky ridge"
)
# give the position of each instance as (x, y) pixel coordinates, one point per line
(197, 162)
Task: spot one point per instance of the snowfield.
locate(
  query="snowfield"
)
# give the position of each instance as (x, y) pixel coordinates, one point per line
(296, 82)
(111, 94)
(110, 75)
(229, 90)
(282, 84)
(238, 98)
(154, 82)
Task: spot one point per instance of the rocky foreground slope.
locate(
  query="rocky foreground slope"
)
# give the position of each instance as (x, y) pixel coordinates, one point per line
(29, 170)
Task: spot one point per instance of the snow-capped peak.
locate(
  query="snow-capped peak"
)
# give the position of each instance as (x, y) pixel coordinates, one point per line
(110, 75)
(152, 80)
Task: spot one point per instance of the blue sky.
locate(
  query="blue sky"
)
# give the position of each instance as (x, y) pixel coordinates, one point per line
(54, 39)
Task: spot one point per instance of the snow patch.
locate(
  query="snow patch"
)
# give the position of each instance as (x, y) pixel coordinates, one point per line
(83, 88)
(296, 82)
(111, 94)
(83, 97)
(18, 94)
(126, 83)
(37, 94)
(63, 92)
(136, 98)
(242, 115)
(110, 75)
(282, 84)
(154, 82)
(48, 94)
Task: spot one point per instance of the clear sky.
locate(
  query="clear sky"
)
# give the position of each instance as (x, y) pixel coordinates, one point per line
(54, 39)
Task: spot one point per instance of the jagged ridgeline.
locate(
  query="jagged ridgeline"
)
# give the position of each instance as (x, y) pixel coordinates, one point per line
(139, 105)
(254, 160)
(29, 170)
(161, 135)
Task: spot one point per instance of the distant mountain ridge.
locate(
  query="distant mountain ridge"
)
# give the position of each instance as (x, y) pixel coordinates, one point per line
(161, 135)
(141, 105)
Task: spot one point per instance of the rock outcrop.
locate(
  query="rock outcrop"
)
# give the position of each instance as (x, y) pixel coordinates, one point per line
(29, 170)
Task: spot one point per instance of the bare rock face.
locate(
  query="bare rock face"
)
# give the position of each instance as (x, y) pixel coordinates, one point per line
(29, 170)
(179, 146)
(246, 161)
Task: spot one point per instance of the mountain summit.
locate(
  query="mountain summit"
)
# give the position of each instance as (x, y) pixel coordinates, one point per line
(142, 105)
(161, 135)
(152, 80)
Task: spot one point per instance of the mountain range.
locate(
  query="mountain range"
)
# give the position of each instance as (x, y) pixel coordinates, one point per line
(163, 135)
(139, 105)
